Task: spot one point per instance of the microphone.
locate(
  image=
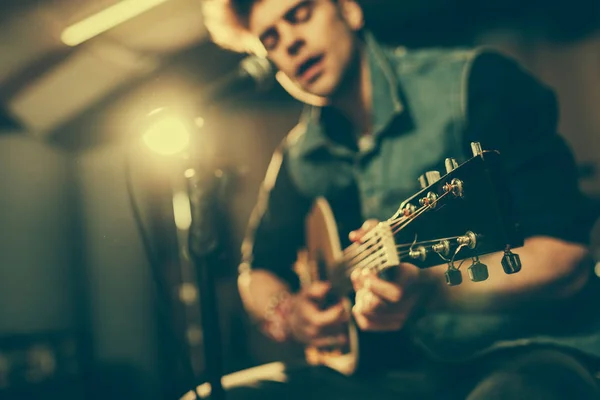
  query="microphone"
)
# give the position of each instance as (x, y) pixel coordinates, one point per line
(253, 73)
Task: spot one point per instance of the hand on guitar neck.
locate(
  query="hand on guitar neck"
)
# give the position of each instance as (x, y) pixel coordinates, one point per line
(384, 304)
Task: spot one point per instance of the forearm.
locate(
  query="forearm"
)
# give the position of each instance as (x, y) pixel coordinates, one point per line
(257, 289)
(552, 270)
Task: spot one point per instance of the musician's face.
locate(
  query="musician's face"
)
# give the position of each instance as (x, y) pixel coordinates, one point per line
(313, 42)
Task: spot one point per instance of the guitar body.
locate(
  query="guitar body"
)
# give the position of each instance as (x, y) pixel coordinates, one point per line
(317, 262)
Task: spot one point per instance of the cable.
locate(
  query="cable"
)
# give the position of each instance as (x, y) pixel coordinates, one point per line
(161, 290)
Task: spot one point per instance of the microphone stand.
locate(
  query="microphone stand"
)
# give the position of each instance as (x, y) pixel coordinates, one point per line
(203, 191)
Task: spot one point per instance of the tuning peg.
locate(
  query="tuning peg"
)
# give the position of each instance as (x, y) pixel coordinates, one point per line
(511, 262)
(451, 165)
(442, 248)
(476, 149)
(478, 271)
(429, 178)
(420, 253)
(453, 276)
(469, 239)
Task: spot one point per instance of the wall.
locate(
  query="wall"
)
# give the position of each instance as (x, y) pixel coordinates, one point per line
(35, 255)
(122, 310)
(40, 308)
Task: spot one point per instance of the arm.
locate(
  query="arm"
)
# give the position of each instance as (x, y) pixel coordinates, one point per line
(509, 111)
(267, 284)
(275, 232)
(552, 270)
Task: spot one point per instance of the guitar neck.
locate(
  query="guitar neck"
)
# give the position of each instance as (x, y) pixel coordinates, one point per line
(462, 215)
(377, 252)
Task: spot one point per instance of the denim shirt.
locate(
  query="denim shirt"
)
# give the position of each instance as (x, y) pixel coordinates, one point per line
(429, 105)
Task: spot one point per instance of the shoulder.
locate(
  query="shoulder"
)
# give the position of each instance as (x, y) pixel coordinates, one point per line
(493, 69)
(462, 60)
(423, 60)
(496, 76)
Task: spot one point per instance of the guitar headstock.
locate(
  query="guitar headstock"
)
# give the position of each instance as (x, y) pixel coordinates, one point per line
(464, 214)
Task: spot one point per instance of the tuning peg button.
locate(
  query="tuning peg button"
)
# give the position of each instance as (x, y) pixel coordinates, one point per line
(451, 165)
(429, 178)
(453, 276)
(478, 272)
(476, 149)
(432, 177)
(511, 262)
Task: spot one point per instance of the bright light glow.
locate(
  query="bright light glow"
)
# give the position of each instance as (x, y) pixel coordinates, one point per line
(181, 211)
(167, 136)
(597, 269)
(199, 122)
(106, 20)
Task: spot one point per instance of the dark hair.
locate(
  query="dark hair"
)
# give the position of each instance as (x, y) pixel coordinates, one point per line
(227, 24)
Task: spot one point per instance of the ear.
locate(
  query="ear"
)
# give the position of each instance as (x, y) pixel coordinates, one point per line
(352, 13)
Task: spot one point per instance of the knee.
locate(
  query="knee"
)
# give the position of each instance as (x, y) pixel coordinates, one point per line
(539, 374)
(243, 384)
(512, 385)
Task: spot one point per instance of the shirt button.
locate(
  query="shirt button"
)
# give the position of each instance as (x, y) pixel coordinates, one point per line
(366, 143)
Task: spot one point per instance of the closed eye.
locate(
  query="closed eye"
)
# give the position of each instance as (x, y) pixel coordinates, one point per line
(269, 39)
(300, 13)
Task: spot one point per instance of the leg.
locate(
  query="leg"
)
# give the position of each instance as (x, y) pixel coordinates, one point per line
(276, 381)
(537, 374)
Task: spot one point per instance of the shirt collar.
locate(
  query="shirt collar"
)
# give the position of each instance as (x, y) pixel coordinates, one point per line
(386, 102)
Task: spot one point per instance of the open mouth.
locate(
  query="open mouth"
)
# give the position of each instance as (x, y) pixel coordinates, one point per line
(307, 68)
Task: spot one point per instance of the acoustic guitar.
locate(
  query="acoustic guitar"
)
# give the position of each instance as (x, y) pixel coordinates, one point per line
(464, 214)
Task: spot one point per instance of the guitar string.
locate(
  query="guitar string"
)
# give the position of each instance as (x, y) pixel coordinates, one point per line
(351, 250)
(420, 211)
(377, 268)
(411, 245)
(354, 251)
(426, 241)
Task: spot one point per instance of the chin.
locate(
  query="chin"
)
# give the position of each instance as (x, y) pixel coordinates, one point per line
(325, 86)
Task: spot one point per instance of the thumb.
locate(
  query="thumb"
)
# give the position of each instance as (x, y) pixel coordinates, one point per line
(357, 235)
(318, 290)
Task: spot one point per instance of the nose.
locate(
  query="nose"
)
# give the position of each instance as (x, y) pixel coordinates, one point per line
(293, 40)
(294, 47)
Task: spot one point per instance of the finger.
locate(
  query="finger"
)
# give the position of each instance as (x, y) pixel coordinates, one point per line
(358, 278)
(335, 315)
(317, 291)
(388, 291)
(357, 235)
(369, 224)
(368, 303)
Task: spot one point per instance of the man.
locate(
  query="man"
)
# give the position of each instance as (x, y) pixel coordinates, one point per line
(376, 118)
